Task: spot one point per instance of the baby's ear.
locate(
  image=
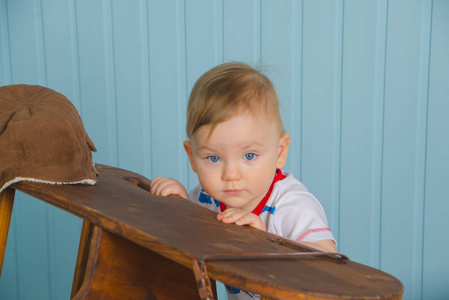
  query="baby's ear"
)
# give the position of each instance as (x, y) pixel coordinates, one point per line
(284, 142)
(188, 148)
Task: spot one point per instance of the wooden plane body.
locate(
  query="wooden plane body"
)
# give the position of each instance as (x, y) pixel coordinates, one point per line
(135, 245)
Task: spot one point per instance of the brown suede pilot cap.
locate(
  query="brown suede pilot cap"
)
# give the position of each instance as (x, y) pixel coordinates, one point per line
(42, 138)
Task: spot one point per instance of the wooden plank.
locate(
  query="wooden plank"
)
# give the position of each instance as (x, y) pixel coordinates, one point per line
(182, 231)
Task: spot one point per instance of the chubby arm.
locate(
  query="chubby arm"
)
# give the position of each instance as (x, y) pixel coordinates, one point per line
(165, 186)
(301, 217)
(322, 245)
(240, 217)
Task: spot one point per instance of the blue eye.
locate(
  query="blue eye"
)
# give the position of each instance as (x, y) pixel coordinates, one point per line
(213, 158)
(250, 156)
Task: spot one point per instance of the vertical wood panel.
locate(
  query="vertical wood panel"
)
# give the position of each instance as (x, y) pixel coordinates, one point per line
(403, 164)
(61, 63)
(425, 21)
(436, 264)
(358, 120)
(25, 37)
(334, 212)
(130, 42)
(97, 77)
(320, 136)
(167, 88)
(378, 128)
(5, 59)
(295, 115)
(242, 26)
(204, 37)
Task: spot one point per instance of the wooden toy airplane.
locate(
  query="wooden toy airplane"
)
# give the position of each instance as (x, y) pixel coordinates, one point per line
(135, 245)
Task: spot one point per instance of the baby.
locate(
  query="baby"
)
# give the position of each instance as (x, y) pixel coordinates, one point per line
(237, 146)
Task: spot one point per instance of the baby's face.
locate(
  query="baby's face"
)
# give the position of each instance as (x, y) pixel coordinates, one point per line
(236, 163)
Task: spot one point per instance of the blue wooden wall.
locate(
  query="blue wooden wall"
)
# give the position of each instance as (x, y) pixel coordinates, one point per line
(364, 87)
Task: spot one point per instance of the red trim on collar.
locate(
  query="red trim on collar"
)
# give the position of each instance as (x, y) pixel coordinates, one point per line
(279, 176)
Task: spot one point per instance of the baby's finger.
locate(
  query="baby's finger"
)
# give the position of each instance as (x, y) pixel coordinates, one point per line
(158, 184)
(153, 184)
(251, 220)
(231, 216)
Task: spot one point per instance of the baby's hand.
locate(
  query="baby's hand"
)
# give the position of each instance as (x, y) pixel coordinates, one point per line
(240, 217)
(165, 186)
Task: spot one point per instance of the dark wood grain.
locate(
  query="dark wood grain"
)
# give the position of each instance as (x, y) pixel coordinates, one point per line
(87, 238)
(120, 269)
(179, 231)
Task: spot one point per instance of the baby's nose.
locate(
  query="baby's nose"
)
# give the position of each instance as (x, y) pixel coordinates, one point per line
(231, 172)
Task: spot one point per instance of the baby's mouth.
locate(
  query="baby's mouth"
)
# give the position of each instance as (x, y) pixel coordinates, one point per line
(233, 191)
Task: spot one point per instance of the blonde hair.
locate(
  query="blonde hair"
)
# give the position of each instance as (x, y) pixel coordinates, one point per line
(229, 89)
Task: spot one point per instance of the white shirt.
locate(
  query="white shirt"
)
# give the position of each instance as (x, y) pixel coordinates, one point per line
(291, 211)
